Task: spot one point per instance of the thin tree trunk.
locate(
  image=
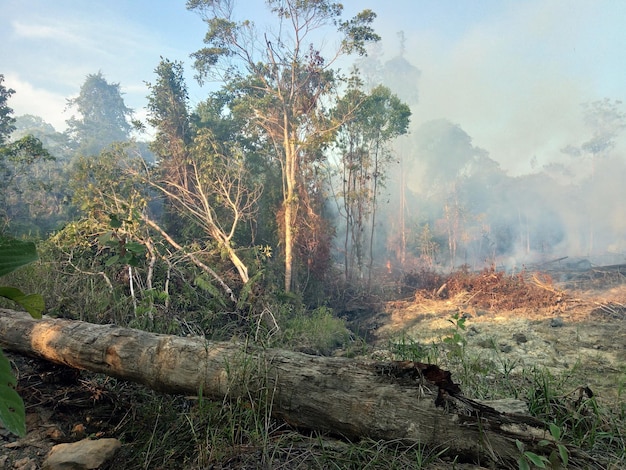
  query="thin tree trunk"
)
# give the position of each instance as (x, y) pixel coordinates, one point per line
(291, 164)
(407, 401)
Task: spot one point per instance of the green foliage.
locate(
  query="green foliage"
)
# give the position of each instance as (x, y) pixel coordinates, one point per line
(12, 414)
(18, 186)
(103, 115)
(407, 349)
(457, 341)
(124, 252)
(558, 456)
(32, 303)
(6, 120)
(14, 254)
(204, 283)
(370, 121)
(317, 332)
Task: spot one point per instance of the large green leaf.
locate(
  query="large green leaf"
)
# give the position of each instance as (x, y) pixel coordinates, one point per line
(12, 414)
(14, 254)
(32, 303)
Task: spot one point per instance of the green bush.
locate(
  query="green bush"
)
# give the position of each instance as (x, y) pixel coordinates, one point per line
(318, 332)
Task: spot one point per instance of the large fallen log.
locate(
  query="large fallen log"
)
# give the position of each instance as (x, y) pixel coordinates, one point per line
(352, 398)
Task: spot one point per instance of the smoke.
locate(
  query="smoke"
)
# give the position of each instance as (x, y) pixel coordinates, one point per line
(504, 163)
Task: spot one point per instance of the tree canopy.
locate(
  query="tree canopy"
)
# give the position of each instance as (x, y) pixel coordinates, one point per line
(102, 115)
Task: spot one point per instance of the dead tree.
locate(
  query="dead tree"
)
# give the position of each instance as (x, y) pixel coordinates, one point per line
(352, 398)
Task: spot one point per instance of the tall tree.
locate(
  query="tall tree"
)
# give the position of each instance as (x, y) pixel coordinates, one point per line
(103, 116)
(283, 80)
(364, 143)
(605, 120)
(168, 108)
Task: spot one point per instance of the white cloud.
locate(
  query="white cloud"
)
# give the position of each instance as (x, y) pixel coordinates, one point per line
(37, 101)
(43, 31)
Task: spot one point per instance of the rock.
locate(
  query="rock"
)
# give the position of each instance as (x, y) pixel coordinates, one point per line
(505, 348)
(81, 455)
(472, 331)
(520, 338)
(556, 322)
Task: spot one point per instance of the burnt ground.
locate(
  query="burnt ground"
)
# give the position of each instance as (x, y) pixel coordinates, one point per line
(575, 324)
(564, 321)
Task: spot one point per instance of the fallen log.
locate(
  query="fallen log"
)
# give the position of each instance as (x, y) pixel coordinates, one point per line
(353, 398)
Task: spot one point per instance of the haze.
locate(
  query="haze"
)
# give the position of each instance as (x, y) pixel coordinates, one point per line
(512, 76)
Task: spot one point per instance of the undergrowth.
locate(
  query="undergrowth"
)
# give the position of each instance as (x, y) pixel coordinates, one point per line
(239, 431)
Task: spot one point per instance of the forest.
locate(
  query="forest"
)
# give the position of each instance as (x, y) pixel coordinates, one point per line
(282, 210)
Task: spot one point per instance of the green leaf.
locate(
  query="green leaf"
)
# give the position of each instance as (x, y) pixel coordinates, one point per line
(537, 460)
(115, 222)
(12, 413)
(523, 464)
(133, 261)
(32, 303)
(564, 454)
(105, 238)
(135, 248)
(206, 286)
(112, 260)
(555, 431)
(14, 254)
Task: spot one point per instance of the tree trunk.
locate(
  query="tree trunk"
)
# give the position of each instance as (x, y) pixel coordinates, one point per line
(408, 401)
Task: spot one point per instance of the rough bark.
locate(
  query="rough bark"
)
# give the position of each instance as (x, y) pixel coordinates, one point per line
(353, 398)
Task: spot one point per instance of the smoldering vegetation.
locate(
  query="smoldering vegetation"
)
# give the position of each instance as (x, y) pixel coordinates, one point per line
(448, 203)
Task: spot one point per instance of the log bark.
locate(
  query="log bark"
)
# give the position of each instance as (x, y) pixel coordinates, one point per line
(347, 397)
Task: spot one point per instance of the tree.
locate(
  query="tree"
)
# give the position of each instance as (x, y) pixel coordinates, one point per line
(282, 81)
(214, 195)
(399, 401)
(16, 158)
(364, 141)
(205, 181)
(103, 115)
(6, 120)
(606, 121)
(41, 191)
(169, 115)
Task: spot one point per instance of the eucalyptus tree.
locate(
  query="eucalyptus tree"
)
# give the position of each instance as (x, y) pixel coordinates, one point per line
(283, 82)
(103, 116)
(114, 192)
(365, 155)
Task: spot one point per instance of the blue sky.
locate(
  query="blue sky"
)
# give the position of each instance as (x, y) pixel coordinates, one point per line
(512, 74)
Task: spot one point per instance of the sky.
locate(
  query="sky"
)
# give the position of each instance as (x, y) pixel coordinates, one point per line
(512, 74)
